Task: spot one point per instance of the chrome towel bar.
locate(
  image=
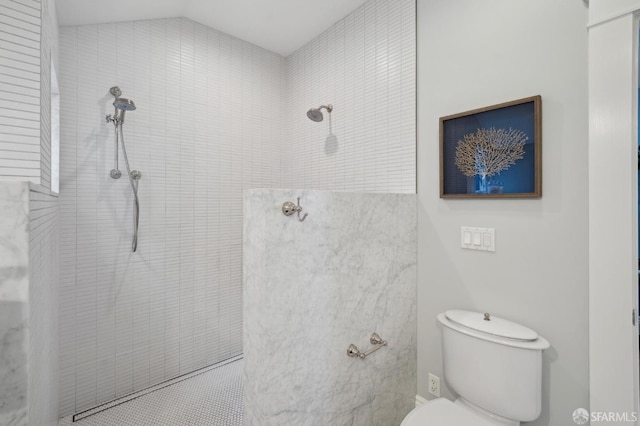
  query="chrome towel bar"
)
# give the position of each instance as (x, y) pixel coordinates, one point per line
(375, 340)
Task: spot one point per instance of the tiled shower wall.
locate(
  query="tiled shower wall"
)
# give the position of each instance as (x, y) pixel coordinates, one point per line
(28, 47)
(48, 56)
(208, 125)
(215, 115)
(20, 54)
(43, 246)
(43, 307)
(365, 66)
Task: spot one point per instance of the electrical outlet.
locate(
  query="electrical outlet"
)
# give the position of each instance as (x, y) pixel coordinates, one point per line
(434, 385)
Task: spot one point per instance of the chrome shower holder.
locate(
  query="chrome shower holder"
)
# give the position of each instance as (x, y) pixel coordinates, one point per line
(115, 91)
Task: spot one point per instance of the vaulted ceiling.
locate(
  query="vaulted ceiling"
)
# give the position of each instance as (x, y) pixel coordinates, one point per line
(281, 26)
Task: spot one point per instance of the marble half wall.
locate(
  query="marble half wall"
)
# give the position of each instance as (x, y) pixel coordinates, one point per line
(28, 305)
(312, 288)
(14, 303)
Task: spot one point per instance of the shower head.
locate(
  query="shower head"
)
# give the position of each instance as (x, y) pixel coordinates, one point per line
(315, 114)
(124, 104)
(121, 105)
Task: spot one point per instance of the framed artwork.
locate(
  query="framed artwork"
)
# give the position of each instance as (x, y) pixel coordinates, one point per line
(493, 152)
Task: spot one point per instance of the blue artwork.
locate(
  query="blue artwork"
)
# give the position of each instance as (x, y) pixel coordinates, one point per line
(492, 152)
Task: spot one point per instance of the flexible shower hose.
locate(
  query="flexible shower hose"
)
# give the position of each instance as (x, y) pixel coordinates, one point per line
(133, 180)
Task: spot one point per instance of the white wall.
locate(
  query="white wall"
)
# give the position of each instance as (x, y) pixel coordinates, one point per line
(473, 54)
(207, 125)
(365, 66)
(601, 11)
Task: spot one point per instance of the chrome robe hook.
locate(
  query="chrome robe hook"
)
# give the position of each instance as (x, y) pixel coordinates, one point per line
(288, 208)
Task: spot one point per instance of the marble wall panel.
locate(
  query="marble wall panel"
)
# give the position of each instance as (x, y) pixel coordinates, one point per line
(14, 297)
(312, 288)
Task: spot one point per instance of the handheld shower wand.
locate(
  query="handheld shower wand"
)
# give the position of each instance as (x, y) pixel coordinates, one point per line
(122, 105)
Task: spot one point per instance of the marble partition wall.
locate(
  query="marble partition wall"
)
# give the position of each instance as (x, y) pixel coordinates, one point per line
(14, 302)
(312, 288)
(28, 305)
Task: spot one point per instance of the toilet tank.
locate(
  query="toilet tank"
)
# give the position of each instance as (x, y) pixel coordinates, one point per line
(493, 363)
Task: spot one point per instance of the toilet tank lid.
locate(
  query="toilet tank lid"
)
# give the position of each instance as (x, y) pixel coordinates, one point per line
(489, 324)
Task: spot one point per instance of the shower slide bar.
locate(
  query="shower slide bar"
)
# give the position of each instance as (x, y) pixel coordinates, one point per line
(375, 340)
(123, 105)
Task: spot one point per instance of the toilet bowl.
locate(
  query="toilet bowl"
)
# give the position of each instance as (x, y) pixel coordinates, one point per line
(493, 365)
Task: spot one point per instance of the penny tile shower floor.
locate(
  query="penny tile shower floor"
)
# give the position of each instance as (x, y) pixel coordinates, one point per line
(211, 398)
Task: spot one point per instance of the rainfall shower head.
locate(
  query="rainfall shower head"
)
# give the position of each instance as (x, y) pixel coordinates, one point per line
(315, 114)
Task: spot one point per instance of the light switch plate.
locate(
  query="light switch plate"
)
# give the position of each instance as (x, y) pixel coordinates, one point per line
(483, 239)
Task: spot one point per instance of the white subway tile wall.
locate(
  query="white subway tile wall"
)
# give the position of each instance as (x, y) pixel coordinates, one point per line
(43, 307)
(215, 115)
(20, 90)
(365, 66)
(48, 55)
(207, 125)
(43, 224)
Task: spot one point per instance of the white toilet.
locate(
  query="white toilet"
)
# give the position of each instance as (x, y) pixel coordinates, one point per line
(495, 367)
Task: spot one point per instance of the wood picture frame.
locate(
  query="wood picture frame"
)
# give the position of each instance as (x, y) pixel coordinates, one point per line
(493, 152)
